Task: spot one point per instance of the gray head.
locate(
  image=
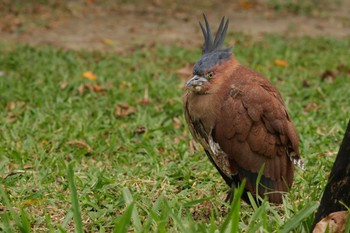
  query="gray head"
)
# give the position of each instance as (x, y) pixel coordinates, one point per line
(213, 52)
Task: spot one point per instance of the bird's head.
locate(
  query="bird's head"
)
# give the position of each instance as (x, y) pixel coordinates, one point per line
(213, 54)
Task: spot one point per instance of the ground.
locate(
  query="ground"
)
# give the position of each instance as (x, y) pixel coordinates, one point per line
(123, 26)
(116, 119)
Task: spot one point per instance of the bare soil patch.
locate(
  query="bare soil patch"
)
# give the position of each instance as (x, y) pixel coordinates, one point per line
(122, 26)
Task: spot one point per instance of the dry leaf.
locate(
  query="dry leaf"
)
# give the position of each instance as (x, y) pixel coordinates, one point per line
(123, 110)
(80, 144)
(140, 130)
(30, 202)
(342, 69)
(15, 104)
(90, 87)
(98, 88)
(177, 123)
(280, 62)
(306, 83)
(89, 75)
(63, 85)
(11, 118)
(246, 4)
(328, 75)
(311, 106)
(145, 99)
(335, 222)
(108, 42)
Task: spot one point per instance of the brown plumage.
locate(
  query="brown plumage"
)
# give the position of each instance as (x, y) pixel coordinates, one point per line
(240, 119)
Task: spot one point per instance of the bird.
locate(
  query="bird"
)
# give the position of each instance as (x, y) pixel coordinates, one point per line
(240, 120)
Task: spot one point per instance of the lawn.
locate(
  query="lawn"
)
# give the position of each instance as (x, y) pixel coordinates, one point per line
(98, 141)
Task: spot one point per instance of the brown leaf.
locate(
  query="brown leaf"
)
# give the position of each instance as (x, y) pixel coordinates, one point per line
(140, 130)
(123, 110)
(342, 69)
(81, 89)
(306, 83)
(90, 87)
(80, 144)
(98, 88)
(177, 123)
(311, 106)
(335, 222)
(11, 118)
(145, 99)
(185, 72)
(328, 75)
(63, 85)
(15, 104)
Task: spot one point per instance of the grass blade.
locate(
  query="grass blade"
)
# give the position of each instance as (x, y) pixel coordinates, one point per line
(75, 201)
(22, 226)
(295, 221)
(232, 220)
(135, 215)
(122, 225)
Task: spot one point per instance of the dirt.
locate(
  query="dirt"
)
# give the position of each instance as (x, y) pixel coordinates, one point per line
(121, 26)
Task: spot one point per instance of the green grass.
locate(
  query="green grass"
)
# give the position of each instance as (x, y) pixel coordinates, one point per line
(53, 123)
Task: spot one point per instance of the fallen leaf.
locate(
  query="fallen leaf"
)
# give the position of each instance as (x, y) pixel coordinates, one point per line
(2, 73)
(145, 99)
(342, 69)
(123, 110)
(81, 89)
(80, 144)
(29, 202)
(335, 222)
(328, 75)
(90, 87)
(11, 118)
(15, 104)
(89, 75)
(306, 83)
(98, 88)
(177, 123)
(140, 130)
(280, 62)
(108, 42)
(246, 4)
(63, 85)
(124, 85)
(311, 106)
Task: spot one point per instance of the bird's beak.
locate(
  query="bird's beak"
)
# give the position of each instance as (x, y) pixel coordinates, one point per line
(195, 81)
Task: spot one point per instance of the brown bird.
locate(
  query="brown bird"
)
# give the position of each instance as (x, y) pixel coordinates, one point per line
(239, 118)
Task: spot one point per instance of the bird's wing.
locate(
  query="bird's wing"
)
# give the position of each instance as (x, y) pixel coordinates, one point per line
(254, 129)
(213, 152)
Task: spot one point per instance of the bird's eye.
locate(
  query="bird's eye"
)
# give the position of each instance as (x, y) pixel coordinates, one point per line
(209, 75)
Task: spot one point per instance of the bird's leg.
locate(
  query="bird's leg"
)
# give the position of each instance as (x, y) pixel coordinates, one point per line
(230, 194)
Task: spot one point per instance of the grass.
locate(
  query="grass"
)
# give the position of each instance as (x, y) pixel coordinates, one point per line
(112, 154)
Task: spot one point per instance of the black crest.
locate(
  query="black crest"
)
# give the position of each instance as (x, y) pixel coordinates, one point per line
(218, 43)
